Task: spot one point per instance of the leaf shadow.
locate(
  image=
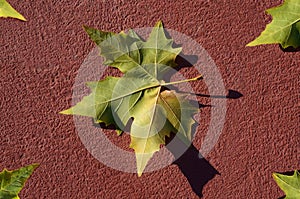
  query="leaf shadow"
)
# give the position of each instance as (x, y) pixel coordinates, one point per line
(232, 94)
(182, 61)
(197, 170)
(289, 173)
(192, 164)
(289, 49)
(103, 126)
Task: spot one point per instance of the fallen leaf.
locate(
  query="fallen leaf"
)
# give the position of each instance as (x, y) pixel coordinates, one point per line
(289, 184)
(6, 10)
(141, 93)
(12, 182)
(284, 28)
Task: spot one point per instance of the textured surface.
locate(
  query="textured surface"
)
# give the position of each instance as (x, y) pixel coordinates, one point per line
(40, 59)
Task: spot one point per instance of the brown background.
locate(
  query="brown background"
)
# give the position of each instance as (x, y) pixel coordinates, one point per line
(40, 59)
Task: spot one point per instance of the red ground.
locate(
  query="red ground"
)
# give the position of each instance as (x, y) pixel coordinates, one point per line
(39, 61)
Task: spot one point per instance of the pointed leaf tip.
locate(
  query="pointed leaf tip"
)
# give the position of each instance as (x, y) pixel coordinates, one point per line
(66, 112)
(6, 10)
(159, 24)
(35, 165)
(250, 44)
(85, 27)
(141, 161)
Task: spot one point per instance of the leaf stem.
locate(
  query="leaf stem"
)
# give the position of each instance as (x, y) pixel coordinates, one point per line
(182, 81)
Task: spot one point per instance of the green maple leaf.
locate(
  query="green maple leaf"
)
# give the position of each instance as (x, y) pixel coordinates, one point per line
(140, 94)
(6, 10)
(289, 184)
(11, 182)
(284, 28)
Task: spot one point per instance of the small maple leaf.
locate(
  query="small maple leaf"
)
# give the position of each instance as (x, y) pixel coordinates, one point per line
(6, 10)
(284, 28)
(12, 182)
(289, 184)
(141, 93)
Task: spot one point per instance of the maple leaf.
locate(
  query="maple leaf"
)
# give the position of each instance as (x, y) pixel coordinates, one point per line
(284, 28)
(11, 182)
(289, 184)
(141, 93)
(6, 10)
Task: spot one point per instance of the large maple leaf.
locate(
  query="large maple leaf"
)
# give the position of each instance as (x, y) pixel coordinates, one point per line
(141, 93)
(284, 28)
